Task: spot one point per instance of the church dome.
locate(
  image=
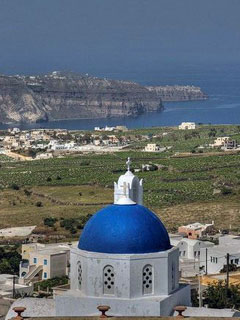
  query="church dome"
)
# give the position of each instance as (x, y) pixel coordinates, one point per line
(124, 229)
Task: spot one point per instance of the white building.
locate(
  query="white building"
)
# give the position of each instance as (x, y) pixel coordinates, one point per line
(14, 130)
(196, 230)
(124, 260)
(104, 129)
(44, 261)
(187, 126)
(189, 254)
(219, 142)
(190, 248)
(216, 255)
(56, 146)
(152, 147)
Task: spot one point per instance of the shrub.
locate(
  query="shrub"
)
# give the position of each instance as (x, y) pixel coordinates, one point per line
(50, 283)
(39, 204)
(14, 186)
(226, 190)
(27, 192)
(84, 163)
(50, 221)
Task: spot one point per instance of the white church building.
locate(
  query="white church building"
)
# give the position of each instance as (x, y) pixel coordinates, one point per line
(124, 260)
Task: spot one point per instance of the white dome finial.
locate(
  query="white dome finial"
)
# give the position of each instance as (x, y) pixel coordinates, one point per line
(128, 163)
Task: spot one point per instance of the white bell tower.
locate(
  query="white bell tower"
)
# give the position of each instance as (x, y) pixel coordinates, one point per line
(128, 186)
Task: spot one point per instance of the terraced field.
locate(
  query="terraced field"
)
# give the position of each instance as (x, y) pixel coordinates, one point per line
(202, 187)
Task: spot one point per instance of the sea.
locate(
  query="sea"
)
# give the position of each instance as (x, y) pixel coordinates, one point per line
(221, 82)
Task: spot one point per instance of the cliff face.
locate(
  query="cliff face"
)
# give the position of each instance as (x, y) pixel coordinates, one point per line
(178, 93)
(70, 96)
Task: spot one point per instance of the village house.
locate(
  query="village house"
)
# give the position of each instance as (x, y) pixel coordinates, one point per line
(229, 145)
(97, 142)
(219, 142)
(10, 142)
(217, 255)
(121, 128)
(189, 248)
(152, 147)
(187, 126)
(104, 129)
(113, 139)
(44, 261)
(14, 130)
(196, 230)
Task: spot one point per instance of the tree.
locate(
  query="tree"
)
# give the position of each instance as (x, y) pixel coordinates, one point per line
(219, 296)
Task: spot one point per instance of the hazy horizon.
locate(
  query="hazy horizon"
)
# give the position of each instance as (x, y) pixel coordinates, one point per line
(116, 37)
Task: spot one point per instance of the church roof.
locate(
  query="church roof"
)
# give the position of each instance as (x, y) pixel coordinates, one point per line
(124, 229)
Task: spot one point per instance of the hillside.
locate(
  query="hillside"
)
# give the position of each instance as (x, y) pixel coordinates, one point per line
(178, 93)
(71, 96)
(58, 96)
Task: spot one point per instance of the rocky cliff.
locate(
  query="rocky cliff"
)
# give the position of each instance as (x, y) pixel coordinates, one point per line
(178, 93)
(70, 96)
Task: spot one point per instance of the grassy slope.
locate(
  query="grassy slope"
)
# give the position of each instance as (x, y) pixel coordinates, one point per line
(183, 192)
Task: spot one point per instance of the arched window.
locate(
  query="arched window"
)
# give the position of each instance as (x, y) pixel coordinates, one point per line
(108, 280)
(147, 279)
(79, 275)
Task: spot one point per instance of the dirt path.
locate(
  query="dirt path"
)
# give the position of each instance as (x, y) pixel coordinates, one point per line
(17, 156)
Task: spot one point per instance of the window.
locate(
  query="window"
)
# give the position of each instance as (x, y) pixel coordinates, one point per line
(236, 261)
(108, 280)
(216, 260)
(79, 273)
(211, 259)
(34, 260)
(231, 261)
(147, 279)
(45, 262)
(45, 275)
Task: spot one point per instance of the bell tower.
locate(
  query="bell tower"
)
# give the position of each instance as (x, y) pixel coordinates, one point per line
(128, 186)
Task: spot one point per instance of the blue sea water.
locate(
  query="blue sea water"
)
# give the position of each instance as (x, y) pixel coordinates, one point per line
(221, 83)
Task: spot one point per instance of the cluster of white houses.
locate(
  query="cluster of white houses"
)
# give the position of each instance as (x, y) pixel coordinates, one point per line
(48, 142)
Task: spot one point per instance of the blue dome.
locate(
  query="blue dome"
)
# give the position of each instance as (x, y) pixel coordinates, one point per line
(124, 229)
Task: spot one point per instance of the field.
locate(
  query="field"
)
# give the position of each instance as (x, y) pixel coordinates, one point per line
(200, 187)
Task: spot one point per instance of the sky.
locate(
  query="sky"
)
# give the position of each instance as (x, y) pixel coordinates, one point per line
(116, 36)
